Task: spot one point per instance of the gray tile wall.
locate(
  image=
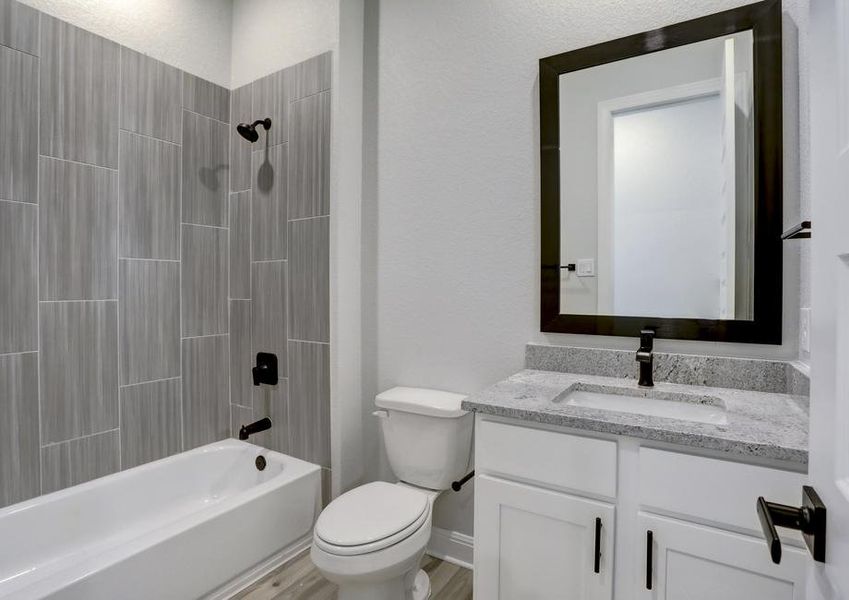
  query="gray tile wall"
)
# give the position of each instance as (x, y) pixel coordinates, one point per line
(147, 252)
(114, 251)
(279, 265)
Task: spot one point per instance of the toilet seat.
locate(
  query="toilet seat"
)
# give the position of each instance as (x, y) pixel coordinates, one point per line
(370, 518)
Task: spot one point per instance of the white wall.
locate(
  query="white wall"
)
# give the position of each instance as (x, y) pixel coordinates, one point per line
(451, 229)
(269, 35)
(193, 35)
(667, 210)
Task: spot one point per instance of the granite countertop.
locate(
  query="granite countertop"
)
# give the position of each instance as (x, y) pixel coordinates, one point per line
(757, 424)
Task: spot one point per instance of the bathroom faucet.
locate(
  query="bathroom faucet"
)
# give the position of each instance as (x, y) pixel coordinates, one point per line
(248, 430)
(645, 357)
(265, 370)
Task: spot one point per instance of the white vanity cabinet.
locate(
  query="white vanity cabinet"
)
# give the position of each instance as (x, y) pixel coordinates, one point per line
(531, 542)
(540, 490)
(695, 562)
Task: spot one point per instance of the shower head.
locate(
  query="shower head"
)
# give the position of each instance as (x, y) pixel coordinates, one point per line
(249, 131)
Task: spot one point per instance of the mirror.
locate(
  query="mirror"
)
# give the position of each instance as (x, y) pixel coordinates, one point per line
(667, 168)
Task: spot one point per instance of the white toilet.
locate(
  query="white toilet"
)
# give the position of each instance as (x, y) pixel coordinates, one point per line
(371, 539)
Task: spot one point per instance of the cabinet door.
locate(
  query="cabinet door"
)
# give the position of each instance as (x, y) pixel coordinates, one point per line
(533, 543)
(693, 562)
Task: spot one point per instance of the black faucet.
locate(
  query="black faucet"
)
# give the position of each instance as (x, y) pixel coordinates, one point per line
(248, 430)
(265, 370)
(645, 357)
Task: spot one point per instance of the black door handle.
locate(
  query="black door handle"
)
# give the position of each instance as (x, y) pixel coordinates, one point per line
(597, 557)
(649, 550)
(808, 518)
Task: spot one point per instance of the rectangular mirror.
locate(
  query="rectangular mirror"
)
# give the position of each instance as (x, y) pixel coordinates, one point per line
(661, 181)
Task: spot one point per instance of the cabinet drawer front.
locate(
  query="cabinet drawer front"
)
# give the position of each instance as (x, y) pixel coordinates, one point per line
(558, 459)
(714, 490)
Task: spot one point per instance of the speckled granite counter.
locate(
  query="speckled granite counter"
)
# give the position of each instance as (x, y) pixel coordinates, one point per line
(758, 424)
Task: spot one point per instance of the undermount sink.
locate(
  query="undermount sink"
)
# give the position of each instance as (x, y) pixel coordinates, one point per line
(682, 407)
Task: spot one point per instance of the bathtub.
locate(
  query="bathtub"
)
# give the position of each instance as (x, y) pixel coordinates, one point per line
(200, 524)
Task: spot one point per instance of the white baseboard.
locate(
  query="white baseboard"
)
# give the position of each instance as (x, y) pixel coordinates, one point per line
(452, 546)
(234, 586)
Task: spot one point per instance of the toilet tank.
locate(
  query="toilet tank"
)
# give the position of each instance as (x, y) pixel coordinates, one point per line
(428, 437)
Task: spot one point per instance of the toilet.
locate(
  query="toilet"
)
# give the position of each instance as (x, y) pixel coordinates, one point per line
(370, 540)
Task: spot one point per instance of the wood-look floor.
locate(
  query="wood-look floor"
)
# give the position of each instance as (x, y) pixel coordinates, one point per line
(300, 580)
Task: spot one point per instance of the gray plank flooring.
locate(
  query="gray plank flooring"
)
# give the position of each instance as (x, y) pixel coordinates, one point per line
(299, 579)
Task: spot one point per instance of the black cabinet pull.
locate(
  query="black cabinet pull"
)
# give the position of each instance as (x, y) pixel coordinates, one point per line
(649, 544)
(597, 563)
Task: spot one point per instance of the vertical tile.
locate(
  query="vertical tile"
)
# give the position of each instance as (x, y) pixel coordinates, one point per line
(309, 157)
(309, 279)
(309, 77)
(18, 126)
(206, 98)
(151, 422)
(205, 170)
(326, 486)
(239, 415)
(241, 359)
(150, 320)
(151, 96)
(79, 94)
(78, 231)
(271, 99)
(204, 281)
(18, 26)
(273, 402)
(309, 408)
(18, 277)
(240, 245)
(78, 372)
(268, 203)
(80, 460)
(150, 198)
(268, 310)
(206, 403)
(240, 148)
(19, 438)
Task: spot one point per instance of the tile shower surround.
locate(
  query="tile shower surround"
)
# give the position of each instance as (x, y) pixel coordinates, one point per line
(147, 252)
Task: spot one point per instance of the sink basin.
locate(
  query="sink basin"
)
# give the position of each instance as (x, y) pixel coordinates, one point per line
(682, 407)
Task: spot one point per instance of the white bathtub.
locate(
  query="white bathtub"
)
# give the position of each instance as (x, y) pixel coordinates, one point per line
(197, 524)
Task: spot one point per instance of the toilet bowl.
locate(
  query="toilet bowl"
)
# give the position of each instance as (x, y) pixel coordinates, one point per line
(370, 540)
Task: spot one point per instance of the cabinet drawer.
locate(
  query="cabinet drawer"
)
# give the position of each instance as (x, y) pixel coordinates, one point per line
(558, 459)
(714, 490)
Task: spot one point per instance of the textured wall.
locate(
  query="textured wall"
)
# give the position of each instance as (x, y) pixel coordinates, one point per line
(193, 35)
(452, 284)
(269, 35)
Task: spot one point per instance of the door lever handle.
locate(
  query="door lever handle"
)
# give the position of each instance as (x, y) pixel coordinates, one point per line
(808, 518)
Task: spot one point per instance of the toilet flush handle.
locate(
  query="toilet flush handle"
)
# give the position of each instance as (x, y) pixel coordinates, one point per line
(381, 414)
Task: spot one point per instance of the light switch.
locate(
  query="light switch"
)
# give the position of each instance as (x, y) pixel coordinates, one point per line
(585, 267)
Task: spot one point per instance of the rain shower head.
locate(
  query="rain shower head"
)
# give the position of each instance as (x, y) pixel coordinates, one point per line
(249, 131)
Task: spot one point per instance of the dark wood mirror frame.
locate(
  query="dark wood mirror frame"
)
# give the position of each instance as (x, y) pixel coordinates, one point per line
(764, 19)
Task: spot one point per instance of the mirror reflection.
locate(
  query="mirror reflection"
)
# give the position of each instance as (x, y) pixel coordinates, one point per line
(657, 186)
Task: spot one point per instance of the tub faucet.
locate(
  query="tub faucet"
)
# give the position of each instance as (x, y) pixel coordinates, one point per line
(645, 357)
(248, 430)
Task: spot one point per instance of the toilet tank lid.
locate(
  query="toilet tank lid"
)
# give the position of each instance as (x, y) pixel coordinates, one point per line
(421, 401)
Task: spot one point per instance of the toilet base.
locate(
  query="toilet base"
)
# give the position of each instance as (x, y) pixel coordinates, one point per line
(421, 586)
(394, 589)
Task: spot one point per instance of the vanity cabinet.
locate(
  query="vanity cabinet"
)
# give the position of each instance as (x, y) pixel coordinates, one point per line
(695, 562)
(532, 543)
(540, 490)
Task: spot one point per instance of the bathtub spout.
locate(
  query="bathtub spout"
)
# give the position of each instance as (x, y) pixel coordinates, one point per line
(248, 430)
